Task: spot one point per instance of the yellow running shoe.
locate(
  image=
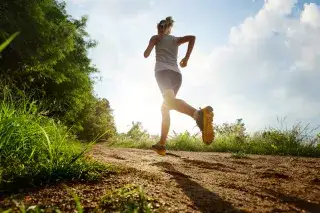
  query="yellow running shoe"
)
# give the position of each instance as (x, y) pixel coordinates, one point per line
(204, 121)
(160, 149)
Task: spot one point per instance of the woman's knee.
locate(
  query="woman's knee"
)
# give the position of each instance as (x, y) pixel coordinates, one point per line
(165, 110)
(169, 98)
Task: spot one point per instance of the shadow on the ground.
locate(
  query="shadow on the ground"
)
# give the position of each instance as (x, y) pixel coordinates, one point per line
(297, 202)
(203, 199)
(173, 155)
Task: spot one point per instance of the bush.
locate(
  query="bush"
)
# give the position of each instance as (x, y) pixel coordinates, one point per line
(136, 137)
(234, 138)
(35, 149)
(98, 121)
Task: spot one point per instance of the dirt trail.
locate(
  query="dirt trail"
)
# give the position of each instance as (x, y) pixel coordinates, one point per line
(196, 182)
(216, 182)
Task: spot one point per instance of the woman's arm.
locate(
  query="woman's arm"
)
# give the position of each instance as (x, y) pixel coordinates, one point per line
(191, 40)
(153, 41)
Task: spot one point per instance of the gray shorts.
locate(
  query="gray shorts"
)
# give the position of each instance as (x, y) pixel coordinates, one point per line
(168, 79)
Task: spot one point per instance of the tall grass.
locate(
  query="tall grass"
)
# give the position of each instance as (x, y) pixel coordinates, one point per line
(295, 141)
(136, 137)
(35, 149)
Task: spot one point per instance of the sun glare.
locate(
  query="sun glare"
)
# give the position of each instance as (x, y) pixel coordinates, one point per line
(143, 103)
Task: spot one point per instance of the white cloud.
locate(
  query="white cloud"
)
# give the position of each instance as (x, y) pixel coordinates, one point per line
(279, 7)
(311, 15)
(272, 63)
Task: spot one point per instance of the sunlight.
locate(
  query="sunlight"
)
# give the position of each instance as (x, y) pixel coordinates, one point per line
(142, 103)
(138, 103)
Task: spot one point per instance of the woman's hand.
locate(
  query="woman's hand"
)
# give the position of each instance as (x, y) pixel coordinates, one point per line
(184, 62)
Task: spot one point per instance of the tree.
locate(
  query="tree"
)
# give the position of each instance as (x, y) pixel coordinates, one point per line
(136, 131)
(98, 122)
(237, 128)
(48, 60)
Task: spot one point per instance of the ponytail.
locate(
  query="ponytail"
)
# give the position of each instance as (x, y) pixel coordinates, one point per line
(164, 24)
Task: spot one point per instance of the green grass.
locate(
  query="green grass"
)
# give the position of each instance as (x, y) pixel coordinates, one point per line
(239, 155)
(130, 198)
(8, 41)
(36, 150)
(295, 141)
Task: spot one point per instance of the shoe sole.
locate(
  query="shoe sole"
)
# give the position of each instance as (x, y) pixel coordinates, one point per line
(208, 132)
(160, 152)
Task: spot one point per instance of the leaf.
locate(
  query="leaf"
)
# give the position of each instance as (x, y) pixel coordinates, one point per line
(8, 41)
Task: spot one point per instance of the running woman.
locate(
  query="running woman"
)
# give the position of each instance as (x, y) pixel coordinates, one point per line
(169, 79)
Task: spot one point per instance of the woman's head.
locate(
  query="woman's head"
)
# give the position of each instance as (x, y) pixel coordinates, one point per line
(164, 26)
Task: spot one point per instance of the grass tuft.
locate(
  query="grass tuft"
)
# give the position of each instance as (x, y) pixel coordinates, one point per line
(239, 155)
(36, 150)
(130, 198)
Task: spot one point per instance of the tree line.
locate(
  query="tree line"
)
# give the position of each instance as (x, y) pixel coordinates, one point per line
(48, 63)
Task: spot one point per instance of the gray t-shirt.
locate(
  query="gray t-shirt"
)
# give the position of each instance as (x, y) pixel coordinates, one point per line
(167, 54)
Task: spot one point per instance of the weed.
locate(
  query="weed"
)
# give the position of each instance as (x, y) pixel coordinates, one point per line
(129, 198)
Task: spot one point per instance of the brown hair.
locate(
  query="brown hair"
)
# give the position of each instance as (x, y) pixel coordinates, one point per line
(165, 24)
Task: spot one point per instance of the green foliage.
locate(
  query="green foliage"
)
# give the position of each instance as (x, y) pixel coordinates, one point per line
(129, 198)
(35, 150)
(185, 141)
(238, 128)
(77, 201)
(233, 138)
(239, 155)
(8, 41)
(21, 207)
(136, 137)
(98, 121)
(137, 132)
(49, 61)
(232, 131)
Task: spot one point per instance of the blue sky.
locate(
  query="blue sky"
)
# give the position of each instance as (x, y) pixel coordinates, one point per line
(254, 60)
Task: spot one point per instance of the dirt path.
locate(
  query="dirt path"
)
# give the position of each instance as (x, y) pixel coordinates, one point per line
(196, 182)
(216, 182)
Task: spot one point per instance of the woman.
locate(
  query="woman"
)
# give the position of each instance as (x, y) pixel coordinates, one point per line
(169, 80)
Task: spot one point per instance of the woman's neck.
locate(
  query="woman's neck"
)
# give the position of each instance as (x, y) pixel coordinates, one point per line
(162, 33)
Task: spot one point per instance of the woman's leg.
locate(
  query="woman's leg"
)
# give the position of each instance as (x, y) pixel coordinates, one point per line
(178, 104)
(169, 83)
(165, 125)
